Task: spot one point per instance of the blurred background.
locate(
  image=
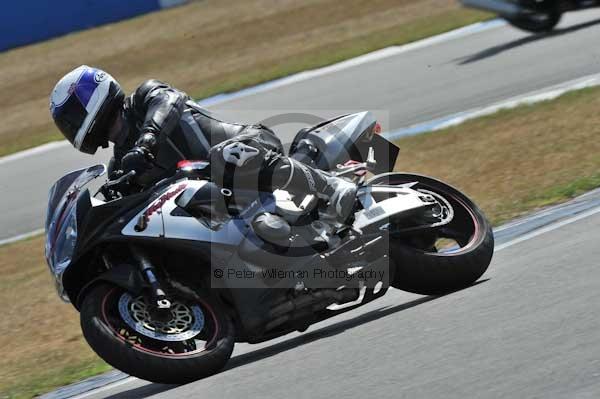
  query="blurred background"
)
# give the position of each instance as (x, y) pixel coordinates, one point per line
(37, 20)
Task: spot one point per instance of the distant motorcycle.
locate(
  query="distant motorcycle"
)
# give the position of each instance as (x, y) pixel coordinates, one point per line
(168, 279)
(536, 16)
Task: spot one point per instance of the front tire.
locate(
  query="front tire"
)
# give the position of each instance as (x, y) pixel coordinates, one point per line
(161, 356)
(420, 267)
(537, 23)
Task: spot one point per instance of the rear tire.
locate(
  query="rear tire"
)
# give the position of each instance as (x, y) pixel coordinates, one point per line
(425, 272)
(118, 344)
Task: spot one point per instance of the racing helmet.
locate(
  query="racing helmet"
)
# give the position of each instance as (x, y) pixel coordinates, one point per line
(84, 105)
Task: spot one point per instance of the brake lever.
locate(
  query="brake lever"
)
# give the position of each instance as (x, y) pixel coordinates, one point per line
(126, 178)
(110, 189)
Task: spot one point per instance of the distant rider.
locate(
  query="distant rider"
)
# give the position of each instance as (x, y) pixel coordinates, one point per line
(157, 126)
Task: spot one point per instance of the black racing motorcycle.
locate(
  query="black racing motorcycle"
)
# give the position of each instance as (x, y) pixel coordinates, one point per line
(167, 280)
(536, 16)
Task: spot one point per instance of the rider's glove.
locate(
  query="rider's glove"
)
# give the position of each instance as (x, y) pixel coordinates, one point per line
(147, 141)
(138, 159)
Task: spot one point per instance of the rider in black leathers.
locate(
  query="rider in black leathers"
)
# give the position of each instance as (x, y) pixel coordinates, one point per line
(157, 126)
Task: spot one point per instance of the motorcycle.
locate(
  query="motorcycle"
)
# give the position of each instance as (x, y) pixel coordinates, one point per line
(535, 16)
(167, 280)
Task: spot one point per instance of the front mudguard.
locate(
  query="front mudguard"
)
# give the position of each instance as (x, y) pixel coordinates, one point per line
(124, 276)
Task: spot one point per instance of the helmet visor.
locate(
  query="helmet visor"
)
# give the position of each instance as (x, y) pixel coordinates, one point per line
(69, 118)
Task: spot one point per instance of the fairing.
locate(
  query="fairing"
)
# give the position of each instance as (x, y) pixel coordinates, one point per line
(163, 220)
(347, 137)
(61, 220)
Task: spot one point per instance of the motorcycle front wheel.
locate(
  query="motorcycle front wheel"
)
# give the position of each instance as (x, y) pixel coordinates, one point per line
(442, 259)
(538, 22)
(194, 340)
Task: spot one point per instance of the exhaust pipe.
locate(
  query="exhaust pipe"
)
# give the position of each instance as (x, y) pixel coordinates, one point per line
(503, 8)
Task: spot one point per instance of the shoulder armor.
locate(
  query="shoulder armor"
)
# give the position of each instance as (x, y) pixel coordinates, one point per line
(140, 94)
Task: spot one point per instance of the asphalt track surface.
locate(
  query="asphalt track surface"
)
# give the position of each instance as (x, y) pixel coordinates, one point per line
(527, 329)
(412, 87)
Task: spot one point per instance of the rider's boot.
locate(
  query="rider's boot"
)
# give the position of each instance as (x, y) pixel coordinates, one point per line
(303, 179)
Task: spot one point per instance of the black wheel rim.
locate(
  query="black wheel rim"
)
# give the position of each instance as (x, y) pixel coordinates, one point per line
(457, 237)
(188, 344)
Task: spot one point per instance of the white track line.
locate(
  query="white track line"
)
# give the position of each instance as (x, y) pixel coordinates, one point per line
(306, 75)
(33, 151)
(21, 237)
(547, 229)
(545, 94)
(106, 387)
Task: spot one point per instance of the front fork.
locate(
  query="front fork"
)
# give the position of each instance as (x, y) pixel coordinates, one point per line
(158, 297)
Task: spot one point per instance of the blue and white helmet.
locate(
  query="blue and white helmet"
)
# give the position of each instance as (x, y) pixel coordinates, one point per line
(84, 105)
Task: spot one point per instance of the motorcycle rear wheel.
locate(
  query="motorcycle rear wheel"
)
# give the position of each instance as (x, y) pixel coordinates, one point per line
(197, 342)
(422, 268)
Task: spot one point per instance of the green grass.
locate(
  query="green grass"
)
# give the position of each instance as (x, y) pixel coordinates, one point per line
(558, 194)
(53, 379)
